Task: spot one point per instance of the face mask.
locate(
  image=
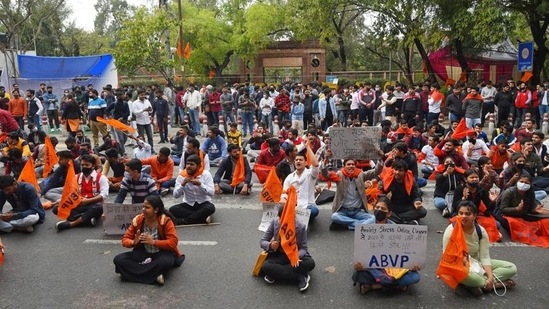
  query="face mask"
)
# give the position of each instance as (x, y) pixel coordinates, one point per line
(84, 152)
(127, 175)
(50, 92)
(472, 141)
(380, 215)
(520, 166)
(87, 170)
(523, 186)
(473, 184)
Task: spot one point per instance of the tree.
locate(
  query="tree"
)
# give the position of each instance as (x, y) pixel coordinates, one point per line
(141, 45)
(110, 14)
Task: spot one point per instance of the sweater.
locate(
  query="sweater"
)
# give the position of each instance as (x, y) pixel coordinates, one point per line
(167, 235)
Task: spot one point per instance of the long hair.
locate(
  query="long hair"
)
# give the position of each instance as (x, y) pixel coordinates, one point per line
(157, 204)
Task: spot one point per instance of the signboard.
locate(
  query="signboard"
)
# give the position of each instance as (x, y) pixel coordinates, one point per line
(360, 143)
(118, 217)
(525, 57)
(270, 212)
(390, 245)
(331, 78)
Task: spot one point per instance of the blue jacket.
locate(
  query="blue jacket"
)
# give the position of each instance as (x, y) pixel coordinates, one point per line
(29, 203)
(322, 107)
(215, 148)
(54, 100)
(297, 111)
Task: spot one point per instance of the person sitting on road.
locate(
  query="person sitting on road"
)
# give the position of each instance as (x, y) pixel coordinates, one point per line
(94, 189)
(14, 141)
(448, 179)
(197, 187)
(15, 164)
(26, 208)
(277, 266)
(304, 180)
(474, 148)
(215, 147)
(478, 247)
(272, 155)
(138, 184)
(286, 166)
(499, 155)
(515, 168)
(109, 143)
(52, 187)
(488, 176)
(38, 156)
(374, 279)
(226, 173)
(36, 137)
(85, 149)
(153, 239)
(117, 165)
(400, 187)
(161, 169)
(350, 202)
(143, 150)
(472, 191)
(448, 148)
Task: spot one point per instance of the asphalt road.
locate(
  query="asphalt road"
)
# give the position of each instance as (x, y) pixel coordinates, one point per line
(74, 269)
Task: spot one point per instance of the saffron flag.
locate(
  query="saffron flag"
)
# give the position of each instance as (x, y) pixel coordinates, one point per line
(50, 157)
(211, 75)
(187, 52)
(272, 189)
(491, 227)
(371, 195)
(179, 48)
(453, 267)
(70, 198)
(262, 171)
(287, 228)
(535, 233)
(526, 76)
(28, 175)
(461, 130)
(116, 124)
(239, 174)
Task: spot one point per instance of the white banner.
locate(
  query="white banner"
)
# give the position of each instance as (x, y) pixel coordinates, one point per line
(390, 245)
(360, 143)
(118, 217)
(270, 212)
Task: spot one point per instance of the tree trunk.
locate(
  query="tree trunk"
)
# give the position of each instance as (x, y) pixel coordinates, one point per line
(540, 54)
(425, 58)
(461, 59)
(342, 52)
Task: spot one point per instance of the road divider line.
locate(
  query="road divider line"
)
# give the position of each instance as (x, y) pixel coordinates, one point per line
(508, 244)
(181, 242)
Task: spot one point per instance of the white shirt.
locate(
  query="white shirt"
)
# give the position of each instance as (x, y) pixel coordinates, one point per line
(305, 185)
(478, 148)
(142, 153)
(430, 155)
(354, 100)
(103, 183)
(488, 94)
(195, 194)
(138, 109)
(192, 99)
(266, 105)
(434, 106)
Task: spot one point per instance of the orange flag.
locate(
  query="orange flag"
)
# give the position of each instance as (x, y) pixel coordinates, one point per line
(28, 175)
(272, 189)
(239, 174)
(187, 52)
(211, 75)
(179, 48)
(262, 171)
(454, 263)
(461, 130)
(70, 198)
(526, 76)
(287, 228)
(50, 157)
(371, 195)
(116, 124)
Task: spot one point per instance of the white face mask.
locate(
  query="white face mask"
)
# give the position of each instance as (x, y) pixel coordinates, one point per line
(523, 186)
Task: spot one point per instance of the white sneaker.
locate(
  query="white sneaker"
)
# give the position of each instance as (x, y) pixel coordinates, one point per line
(160, 280)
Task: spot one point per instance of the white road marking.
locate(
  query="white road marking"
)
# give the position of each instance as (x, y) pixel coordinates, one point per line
(508, 244)
(181, 242)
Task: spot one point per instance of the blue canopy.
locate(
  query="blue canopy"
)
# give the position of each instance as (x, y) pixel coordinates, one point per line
(33, 67)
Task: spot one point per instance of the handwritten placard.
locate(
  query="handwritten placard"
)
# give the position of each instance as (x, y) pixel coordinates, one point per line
(118, 217)
(390, 245)
(270, 212)
(357, 143)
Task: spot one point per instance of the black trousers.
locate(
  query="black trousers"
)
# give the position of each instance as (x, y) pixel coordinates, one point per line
(86, 212)
(277, 266)
(132, 265)
(193, 214)
(409, 215)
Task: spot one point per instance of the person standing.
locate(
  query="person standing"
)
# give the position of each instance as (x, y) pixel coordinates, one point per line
(488, 95)
(51, 102)
(141, 109)
(96, 108)
(18, 108)
(192, 101)
(266, 105)
(161, 109)
(472, 105)
(71, 114)
(523, 101)
(120, 110)
(35, 109)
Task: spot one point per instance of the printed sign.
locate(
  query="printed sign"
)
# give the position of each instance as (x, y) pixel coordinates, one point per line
(390, 245)
(118, 217)
(525, 56)
(358, 143)
(270, 212)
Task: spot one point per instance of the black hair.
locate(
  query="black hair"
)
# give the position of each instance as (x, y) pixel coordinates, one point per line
(385, 200)
(157, 204)
(164, 151)
(539, 134)
(469, 205)
(289, 149)
(134, 165)
(88, 158)
(194, 142)
(232, 147)
(15, 153)
(6, 181)
(70, 140)
(111, 153)
(401, 146)
(194, 159)
(400, 165)
(66, 154)
(273, 142)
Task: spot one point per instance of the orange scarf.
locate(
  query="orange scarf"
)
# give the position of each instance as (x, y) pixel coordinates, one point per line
(389, 176)
(440, 170)
(200, 168)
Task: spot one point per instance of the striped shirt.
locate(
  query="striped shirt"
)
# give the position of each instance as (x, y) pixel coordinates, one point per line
(144, 187)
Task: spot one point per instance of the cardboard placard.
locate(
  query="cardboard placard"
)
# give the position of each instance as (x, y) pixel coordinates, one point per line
(118, 217)
(270, 212)
(360, 143)
(390, 245)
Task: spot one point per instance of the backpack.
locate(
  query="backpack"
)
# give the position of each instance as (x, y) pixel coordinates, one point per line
(477, 228)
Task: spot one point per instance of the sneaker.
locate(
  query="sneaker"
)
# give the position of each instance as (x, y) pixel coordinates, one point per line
(337, 227)
(179, 221)
(93, 222)
(164, 191)
(26, 229)
(208, 219)
(63, 225)
(269, 280)
(446, 213)
(413, 222)
(303, 282)
(160, 280)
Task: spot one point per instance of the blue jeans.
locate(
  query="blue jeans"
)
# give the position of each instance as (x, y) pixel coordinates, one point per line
(431, 117)
(228, 118)
(540, 195)
(421, 182)
(542, 110)
(426, 171)
(343, 116)
(176, 159)
(268, 120)
(314, 210)
(350, 218)
(470, 122)
(193, 114)
(181, 111)
(36, 120)
(247, 122)
(215, 116)
(440, 202)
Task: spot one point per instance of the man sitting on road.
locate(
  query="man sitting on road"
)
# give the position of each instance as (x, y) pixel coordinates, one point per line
(161, 169)
(117, 165)
(26, 207)
(197, 187)
(52, 187)
(138, 184)
(272, 155)
(215, 146)
(226, 172)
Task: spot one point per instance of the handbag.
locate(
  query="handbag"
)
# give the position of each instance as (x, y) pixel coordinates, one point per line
(475, 266)
(259, 263)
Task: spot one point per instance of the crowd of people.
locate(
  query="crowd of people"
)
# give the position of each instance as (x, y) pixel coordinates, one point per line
(494, 175)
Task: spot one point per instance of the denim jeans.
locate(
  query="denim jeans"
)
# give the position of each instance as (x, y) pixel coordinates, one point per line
(350, 218)
(247, 122)
(542, 110)
(228, 118)
(440, 202)
(470, 122)
(36, 120)
(143, 129)
(29, 220)
(215, 116)
(421, 182)
(268, 120)
(314, 210)
(343, 116)
(195, 120)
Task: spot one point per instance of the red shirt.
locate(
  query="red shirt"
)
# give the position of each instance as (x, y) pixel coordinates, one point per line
(215, 103)
(7, 122)
(282, 103)
(267, 158)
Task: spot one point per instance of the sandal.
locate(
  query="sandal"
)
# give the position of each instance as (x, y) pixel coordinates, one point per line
(364, 288)
(509, 283)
